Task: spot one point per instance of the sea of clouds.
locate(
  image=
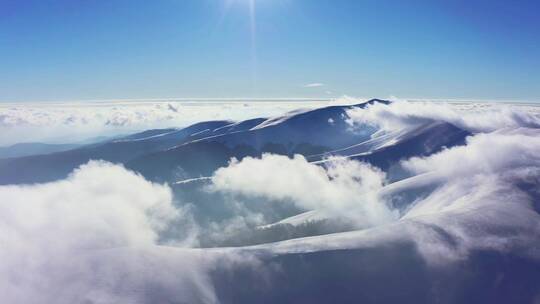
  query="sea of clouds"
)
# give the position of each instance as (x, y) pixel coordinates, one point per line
(75, 122)
(95, 236)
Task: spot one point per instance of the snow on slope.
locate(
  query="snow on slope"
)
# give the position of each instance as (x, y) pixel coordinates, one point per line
(484, 233)
(468, 225)
(327, 127)
(498, 166)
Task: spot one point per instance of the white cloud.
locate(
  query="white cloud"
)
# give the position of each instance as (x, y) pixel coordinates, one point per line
(482, 201)
(314, 85)
(472, 117)
(486, 153)
(485, 196)
(90, 239)
(344, 188)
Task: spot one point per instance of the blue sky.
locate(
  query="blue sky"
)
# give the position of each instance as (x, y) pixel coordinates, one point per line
(66, 50)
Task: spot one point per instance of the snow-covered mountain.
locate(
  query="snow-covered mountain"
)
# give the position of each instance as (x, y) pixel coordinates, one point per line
(27, 149)
(379, 202)
(304, 132)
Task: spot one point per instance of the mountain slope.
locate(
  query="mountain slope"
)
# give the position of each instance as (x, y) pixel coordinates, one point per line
(387, 150)
(43, 168)
(27, 149)
(299, 132)
(170, 154)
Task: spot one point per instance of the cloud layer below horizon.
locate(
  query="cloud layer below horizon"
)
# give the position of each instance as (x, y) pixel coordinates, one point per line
(95, 236)
(70, 122)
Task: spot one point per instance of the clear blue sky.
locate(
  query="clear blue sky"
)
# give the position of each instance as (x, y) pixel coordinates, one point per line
(92, 49)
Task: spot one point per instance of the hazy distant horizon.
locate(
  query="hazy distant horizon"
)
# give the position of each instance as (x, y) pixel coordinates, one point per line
(271, 99)
(75, 121)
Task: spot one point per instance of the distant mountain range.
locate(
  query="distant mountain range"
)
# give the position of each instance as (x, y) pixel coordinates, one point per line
(167, 155)
(28, 149)
(186, 157)
(464, 211)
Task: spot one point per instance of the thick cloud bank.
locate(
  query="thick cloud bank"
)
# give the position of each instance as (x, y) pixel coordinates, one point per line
(344, 188)
(493, 153)
(472, 117)
(68, 242)
(487, 196)
(484, 195)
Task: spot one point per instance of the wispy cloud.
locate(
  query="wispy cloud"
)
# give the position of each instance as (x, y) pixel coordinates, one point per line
(314, 85)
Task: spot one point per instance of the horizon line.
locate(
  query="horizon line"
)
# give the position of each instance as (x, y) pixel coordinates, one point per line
(275, 99)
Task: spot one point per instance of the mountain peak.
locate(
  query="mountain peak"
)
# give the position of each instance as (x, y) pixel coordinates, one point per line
(373, 101)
